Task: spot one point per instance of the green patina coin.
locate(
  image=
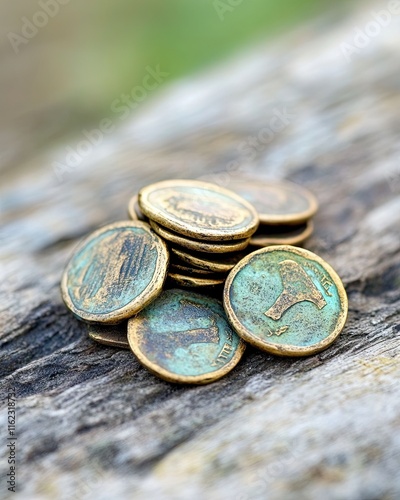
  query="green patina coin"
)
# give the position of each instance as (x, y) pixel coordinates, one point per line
(185, 337)
(110, 335)
(115, 272)
(199, 210)
(286, 300)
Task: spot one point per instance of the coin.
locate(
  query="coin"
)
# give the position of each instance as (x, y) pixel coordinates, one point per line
(285, 300)
(200, 210)
(277, 202)
(221, 263)
(193, 281)
(200, 246)
(134, 210)
(281, 235)
(115, 272)
(185, 337)
(188, 270)
(111, 335)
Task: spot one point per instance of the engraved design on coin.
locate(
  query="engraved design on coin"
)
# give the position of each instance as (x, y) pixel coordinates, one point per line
(115, 272)
(285, 300)
(297, 287)
(206, 333)
(208, 211)
(109, 276)
(185, 337)
(199, 209)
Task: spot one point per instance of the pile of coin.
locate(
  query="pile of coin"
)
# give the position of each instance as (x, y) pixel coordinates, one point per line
(122, 280)
(207, 228)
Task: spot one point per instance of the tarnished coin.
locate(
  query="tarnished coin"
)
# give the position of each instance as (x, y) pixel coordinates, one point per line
(221, 263)
(199, 210)
(277, 202)
(282, 235)
(185, 337)
(134, 210)
(188, 270)
(193, 281)
(115, 272)
(286, 300)
(111, 335)
(199, 246)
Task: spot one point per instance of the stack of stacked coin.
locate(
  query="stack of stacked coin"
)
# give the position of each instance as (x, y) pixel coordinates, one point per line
(282, 299)
(206, 228)
(285, 211)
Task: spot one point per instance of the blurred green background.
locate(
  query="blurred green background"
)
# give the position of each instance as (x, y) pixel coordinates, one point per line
(66, 77)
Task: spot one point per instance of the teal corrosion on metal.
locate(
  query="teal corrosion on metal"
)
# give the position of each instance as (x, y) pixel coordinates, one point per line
(185, 337)
(115, 272)
(286, 300)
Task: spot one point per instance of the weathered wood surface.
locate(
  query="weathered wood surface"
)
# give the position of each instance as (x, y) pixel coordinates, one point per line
(92, 423)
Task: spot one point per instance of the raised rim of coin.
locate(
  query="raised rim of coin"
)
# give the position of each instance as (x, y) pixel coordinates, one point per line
(134, 211)
(109, 335)
(177, 267)
(133, 327)
(199, 246)
(191, 229)
(262, 240)
(289, 218)
(194, 281)
(220, 265)
(285, 349)
(137, 303)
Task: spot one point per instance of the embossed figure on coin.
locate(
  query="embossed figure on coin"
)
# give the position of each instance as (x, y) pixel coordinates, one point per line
(297, 287)
(110, 271)
(199, 210)
(208, 211)
(206, 332)
(285, 300)
(184, 337)
(115, 272)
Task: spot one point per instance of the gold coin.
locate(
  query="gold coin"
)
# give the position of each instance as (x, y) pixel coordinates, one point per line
(281, 235)
(184, 337)
(199, 246)
(115, 272)
(111, 335)
(220, 263)
(193, 281)
(277, 202)
(134, 210)
(200, 210)
(285, 300)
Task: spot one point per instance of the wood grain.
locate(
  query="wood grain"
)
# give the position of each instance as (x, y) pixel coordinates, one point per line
(92, 423)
